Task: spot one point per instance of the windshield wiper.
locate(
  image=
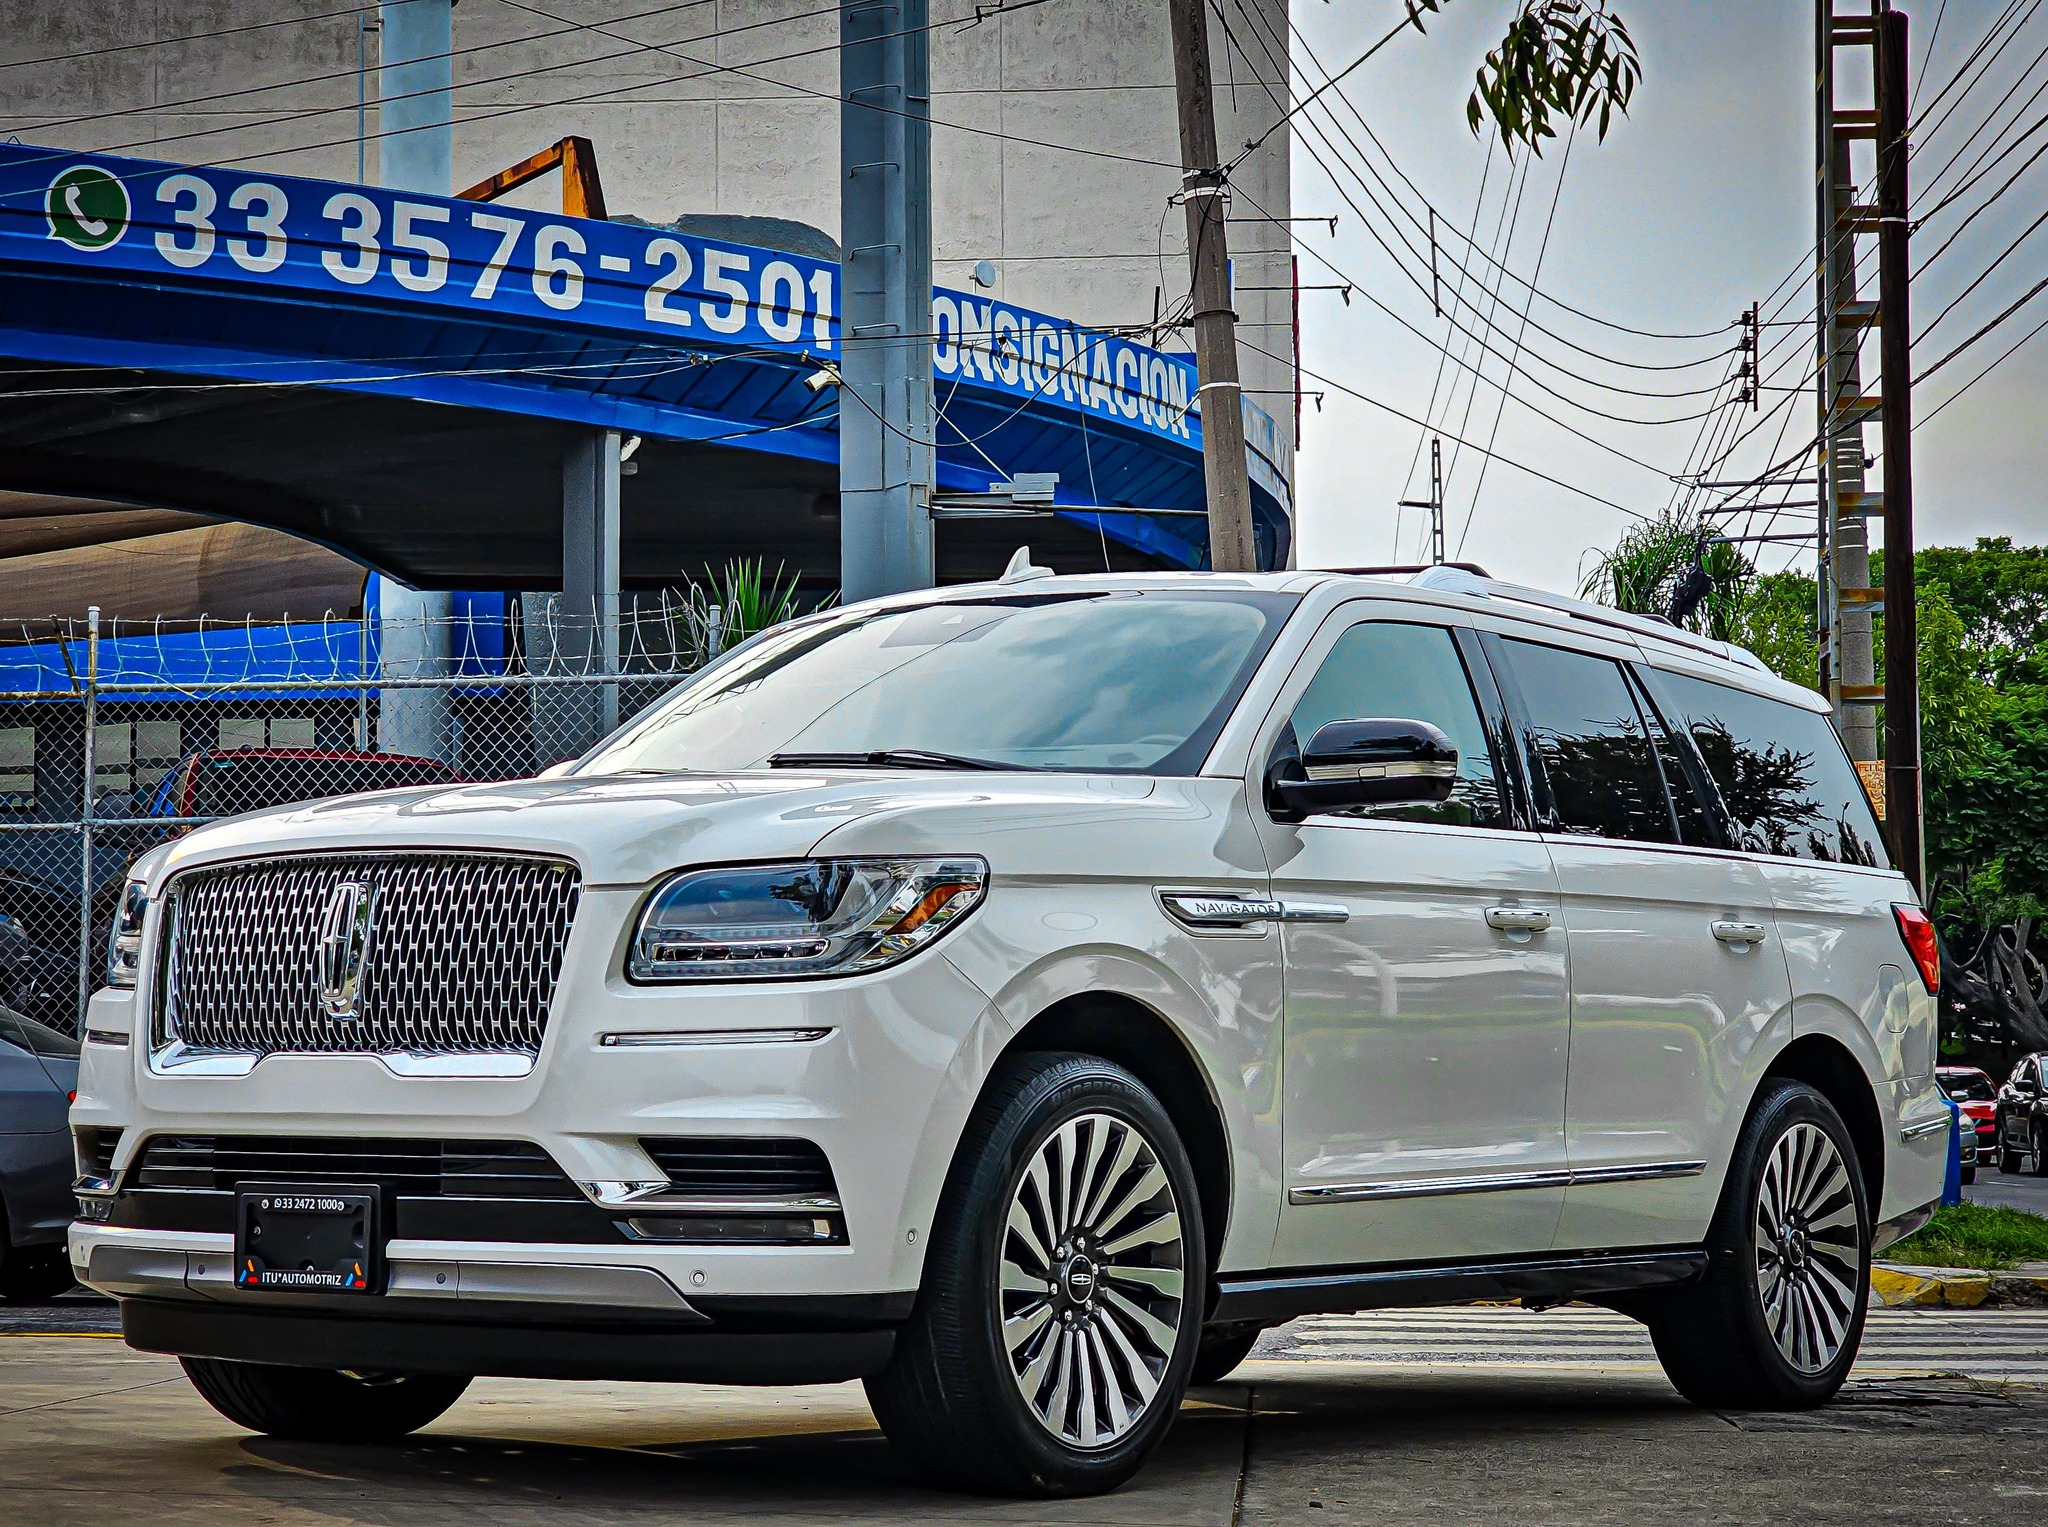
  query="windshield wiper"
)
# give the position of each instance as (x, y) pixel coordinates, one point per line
(885, 758)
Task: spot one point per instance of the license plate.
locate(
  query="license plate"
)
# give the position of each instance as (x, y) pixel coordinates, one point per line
(309, 1240)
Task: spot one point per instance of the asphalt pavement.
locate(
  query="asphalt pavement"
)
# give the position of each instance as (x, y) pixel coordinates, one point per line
(1465, 1415)
(2021, 1191)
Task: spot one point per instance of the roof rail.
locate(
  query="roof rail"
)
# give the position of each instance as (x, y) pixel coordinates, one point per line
(1452, 578)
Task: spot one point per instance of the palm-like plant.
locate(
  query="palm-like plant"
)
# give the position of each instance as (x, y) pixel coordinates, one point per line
(731, 604)
(1673, 565)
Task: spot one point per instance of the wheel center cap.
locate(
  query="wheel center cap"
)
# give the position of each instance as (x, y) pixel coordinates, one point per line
(1078, 1279)
(1792, 1244)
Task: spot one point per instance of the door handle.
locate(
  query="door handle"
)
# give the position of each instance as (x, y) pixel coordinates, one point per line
(1731, 932)
(1517, 919)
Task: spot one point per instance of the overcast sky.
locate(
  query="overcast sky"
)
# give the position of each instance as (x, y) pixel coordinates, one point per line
(1697, 204)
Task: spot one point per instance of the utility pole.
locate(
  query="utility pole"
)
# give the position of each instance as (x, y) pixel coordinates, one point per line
(1435, 502)
(887, 463)
(1848, 672)
(1205, 194)
(1895, 348)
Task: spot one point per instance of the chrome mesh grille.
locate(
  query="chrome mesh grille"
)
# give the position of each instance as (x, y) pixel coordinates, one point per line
(464, 957)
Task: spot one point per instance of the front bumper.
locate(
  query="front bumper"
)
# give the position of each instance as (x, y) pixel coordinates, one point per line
(884, 1094)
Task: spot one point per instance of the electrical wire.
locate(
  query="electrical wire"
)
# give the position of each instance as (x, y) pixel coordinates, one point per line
(165, 42)
(1504, 459)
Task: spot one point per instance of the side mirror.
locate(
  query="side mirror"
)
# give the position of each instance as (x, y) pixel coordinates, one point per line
(1377, 761)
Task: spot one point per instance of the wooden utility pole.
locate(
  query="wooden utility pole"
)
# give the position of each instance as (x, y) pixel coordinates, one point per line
(1895, 350)
(1204, 193)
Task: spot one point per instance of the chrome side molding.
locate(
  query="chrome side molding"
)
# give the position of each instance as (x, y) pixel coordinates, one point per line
(1491, 1182)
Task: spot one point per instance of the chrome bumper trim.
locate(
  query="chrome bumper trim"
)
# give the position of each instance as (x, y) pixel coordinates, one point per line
(1925, 1128)
(134, 1269)
(180, 1059)
(678, 1038)
(656, 1197)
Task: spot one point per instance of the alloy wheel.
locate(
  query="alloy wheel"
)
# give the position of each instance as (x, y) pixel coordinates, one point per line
(1093, 1270)
(1808, 1252)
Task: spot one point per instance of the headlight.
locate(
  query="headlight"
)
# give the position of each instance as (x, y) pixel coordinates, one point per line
(811, 917)
(124, 944)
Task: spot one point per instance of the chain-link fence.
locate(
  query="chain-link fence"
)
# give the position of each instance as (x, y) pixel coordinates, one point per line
(115, 736)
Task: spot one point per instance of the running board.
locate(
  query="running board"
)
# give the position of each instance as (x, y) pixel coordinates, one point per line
(1270, 1297)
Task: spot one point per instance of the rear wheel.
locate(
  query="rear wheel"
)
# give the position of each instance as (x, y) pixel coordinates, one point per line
(1775, 1322)
(322, 1404)
(1059, 1316)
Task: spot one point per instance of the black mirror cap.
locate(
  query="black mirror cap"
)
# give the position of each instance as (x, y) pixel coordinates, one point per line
(1373, 761)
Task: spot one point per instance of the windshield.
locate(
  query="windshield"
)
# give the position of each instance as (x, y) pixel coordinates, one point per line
(1968, 1087)
(1135, 681)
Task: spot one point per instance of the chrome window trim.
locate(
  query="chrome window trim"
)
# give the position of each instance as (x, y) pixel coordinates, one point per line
(1491, 1182)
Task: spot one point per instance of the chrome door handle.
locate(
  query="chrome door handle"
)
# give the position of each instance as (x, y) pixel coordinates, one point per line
(1731, 932)
(1517, 919)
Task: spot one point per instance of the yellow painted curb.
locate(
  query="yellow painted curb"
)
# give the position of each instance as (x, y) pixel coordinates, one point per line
(1900, 1285)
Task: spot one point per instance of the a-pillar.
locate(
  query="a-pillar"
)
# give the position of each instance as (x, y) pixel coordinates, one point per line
(415, 86)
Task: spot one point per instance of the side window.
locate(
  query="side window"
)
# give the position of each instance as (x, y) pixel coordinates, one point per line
(1394, 669)
(1682, 781)
(1587, 741)
(1787, 786)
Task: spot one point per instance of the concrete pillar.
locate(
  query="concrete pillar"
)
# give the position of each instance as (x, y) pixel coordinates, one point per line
(577, 632)
(886, 461)
(415, 85)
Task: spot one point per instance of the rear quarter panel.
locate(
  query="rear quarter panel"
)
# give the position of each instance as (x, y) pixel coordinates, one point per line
(1853, 981)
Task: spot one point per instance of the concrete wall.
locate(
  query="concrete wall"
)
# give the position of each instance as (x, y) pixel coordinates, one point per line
(733, 109)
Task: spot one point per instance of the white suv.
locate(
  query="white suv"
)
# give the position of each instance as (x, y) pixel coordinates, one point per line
(1019, 996)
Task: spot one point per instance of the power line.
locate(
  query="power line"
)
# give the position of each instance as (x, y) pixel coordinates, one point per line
(1308, 50)
(1408, 418)
(165, 42)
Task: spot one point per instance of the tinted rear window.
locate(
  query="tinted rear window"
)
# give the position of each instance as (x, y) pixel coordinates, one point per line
(1788, 787)
(1588, 743)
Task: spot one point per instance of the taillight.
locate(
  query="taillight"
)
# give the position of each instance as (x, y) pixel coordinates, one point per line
(1917, 930)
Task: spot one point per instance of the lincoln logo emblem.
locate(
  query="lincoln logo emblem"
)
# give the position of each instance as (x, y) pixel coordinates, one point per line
(347, 927)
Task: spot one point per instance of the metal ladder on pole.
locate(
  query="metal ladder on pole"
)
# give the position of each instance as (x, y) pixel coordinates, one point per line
(1845, 319)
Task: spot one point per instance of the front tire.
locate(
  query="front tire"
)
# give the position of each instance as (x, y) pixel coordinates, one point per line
(1061, 1305)
(322, 1404)
(2039, 1135)
(1776, 1321)
(2008, 1158)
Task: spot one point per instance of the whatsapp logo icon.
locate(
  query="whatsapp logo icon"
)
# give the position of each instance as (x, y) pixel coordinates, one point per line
(87, 207)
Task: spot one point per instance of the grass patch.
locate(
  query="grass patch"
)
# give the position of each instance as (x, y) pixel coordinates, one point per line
(1975, 1235)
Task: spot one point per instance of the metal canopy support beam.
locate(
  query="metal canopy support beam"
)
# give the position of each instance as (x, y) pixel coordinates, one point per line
(887, 464)
(417, 90)
(577, 633)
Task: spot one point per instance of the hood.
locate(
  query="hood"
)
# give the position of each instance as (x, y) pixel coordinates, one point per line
(625, 830)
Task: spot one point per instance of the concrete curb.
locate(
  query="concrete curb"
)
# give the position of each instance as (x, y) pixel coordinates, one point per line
(1968, 1288)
